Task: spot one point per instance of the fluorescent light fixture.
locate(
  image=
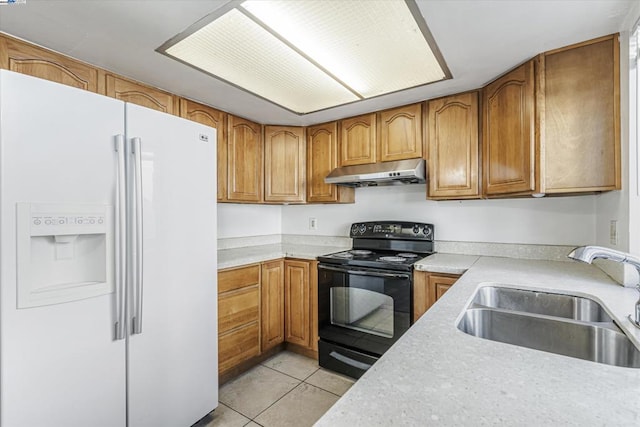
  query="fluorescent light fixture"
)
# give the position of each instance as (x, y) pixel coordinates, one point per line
(309, 55)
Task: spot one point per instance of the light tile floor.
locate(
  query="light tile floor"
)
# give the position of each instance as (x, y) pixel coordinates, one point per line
(285, 390)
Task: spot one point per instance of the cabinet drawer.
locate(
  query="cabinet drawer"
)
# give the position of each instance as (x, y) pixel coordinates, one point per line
(237, 346)
(238, 308)
(237, 278)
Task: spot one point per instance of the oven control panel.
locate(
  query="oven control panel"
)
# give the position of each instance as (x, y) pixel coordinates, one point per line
(392, 230)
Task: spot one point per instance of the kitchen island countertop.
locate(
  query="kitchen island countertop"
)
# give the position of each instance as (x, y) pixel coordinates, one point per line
(437, 375)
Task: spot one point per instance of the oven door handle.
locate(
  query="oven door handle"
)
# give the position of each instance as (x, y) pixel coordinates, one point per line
(366, 273)
(349, 361)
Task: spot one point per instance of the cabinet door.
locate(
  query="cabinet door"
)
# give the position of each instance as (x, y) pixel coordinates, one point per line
(28, 59)
(358, 140)
(322, 158)
(313, 300)
(284, 161)
(216, 119)
(245, 166)
(238, 308)
(272, 317)
(401, 133)
(509, 133)
(582, 117)
(237, 346)
(136, 93)
(428, 288)
(238, 316)
(453, 147)
(438, 285)
(297, 303)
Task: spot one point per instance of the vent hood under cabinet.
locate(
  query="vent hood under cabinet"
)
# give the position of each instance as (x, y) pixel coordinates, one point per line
(412, 171)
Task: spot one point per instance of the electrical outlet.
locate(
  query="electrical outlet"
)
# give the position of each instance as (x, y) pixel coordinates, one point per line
(613, 232)
(313, 223)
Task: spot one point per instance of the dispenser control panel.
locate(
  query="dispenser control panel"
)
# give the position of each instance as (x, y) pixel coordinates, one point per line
(47, 223)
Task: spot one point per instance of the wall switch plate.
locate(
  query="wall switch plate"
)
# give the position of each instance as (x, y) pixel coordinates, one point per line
(313, 223)
(613, 232)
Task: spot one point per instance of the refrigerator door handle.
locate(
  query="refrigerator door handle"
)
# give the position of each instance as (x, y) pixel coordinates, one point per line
(138, 267)
(120, 240)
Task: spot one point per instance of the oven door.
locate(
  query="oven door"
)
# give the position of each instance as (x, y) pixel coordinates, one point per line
(361, 308)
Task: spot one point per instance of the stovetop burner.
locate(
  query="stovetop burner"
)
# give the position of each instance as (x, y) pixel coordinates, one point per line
(392, 259)
(407, 255)
(360, 252)
(385, 245)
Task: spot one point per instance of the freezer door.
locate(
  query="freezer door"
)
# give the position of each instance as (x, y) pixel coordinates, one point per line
(173, 360)
(59, 363)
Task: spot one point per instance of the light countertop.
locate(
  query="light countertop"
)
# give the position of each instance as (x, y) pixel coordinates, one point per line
(235, 257)
(446, 263)
(437, 375)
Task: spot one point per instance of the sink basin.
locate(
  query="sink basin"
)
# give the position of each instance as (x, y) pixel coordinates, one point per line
(557, 323)
(559, 305)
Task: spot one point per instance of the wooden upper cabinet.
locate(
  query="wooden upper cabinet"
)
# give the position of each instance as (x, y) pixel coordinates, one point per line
(358, 140)
(582, 117)
(137, 93)
(284, 164)
(453, 147)
(322, 158)
(400, 135)
(216, 119)
(245, 160)
(508, 111)
(28, 59)
(272, 304)
(297, 303)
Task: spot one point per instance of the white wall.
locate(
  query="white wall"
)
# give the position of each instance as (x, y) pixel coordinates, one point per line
(550, 221)
(236, 220)
(624, 206)
(615, 205)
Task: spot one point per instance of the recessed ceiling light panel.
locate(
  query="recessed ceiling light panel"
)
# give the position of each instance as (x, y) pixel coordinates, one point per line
(309, 55)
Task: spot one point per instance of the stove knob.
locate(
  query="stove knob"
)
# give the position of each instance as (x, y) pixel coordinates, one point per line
(354, 228)
(416, 229)
(427, 231)
(363, 228)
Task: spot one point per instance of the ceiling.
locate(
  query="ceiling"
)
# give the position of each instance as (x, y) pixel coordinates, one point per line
(479, 39)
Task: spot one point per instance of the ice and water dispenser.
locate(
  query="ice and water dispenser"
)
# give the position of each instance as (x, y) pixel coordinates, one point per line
(64, 252)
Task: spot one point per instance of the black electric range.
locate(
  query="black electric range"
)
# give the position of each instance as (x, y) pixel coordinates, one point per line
(365, 294)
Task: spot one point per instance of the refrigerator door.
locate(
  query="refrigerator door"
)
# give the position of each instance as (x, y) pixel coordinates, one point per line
(59, 363)
(173, 361)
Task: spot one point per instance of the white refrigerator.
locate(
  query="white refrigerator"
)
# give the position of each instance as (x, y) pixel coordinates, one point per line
(108, 292)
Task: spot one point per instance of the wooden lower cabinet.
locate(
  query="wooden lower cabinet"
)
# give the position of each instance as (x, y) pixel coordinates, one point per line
(428, 288)
(238, 346)
(238, 316)
(301, 305)
(261, 306)
(297, 303)
(272, 292)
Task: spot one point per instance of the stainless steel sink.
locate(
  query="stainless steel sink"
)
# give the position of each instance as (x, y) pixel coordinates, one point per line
(556, 323)
(559, 305)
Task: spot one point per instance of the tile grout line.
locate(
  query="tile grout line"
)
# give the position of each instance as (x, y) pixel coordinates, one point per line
(305, 380)
(278, 400)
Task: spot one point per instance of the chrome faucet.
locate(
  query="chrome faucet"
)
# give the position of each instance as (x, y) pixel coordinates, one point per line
(589, 253)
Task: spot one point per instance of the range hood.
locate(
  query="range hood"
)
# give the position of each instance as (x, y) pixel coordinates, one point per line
(412, 171)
